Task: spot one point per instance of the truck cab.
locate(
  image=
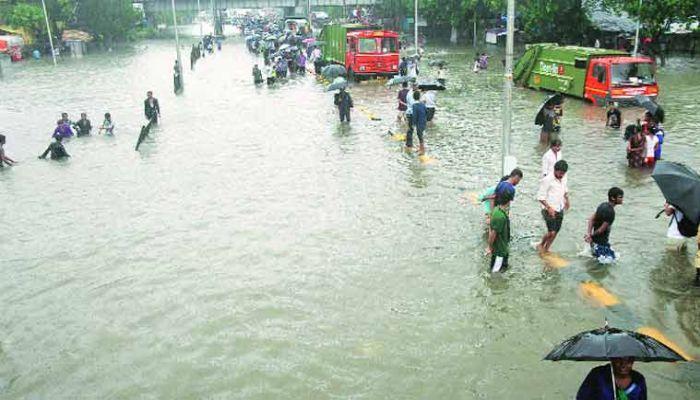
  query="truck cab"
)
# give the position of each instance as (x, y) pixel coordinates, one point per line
(372, 53)
(620, 79)
(363, 50)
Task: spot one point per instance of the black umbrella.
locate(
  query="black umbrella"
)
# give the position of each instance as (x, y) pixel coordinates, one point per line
(605, 343)
(656, 111)
(333, 71)
(430, 86)
(680, 186)
(554, 100)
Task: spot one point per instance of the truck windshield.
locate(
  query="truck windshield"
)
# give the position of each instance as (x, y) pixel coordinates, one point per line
(632, 74)
(389, 45)
(368, 46)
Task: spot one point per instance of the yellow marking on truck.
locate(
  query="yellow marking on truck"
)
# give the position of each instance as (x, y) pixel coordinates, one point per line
(656, 334)
(598, 294)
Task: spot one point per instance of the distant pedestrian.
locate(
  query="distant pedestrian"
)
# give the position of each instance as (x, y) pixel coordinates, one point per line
(62, 129)
(403, 67)
(551, 157)
(107, 125)
(661, 135)
(553, 196)
(83, 126)
(429, 98)
(420, 119)
(441, 75)
(344, 103)
(4, 159)
(549, 126)
(613, 116)
(403, 105)
(257, 75)
(599, 226)
(409, 107)
(651, 144)
(499, 234)
(151, 108)
(56, 149)
(635, 146)
(680, 229)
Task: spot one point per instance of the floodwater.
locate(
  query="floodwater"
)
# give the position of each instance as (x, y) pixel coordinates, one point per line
(256, 249)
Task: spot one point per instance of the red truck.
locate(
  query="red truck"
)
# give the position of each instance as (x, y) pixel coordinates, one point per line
(364, 51)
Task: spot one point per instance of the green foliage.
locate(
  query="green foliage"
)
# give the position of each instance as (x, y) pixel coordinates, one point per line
(562, 21)
(657, 15)
(108, 19)
(27, 16)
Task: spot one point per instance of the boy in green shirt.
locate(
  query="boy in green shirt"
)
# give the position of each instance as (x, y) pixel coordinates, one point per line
(499, 234)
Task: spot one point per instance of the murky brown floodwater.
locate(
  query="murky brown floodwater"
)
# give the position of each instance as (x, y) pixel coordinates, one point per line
(255, 248)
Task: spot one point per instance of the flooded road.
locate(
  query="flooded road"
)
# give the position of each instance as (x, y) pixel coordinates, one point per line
(255, 248)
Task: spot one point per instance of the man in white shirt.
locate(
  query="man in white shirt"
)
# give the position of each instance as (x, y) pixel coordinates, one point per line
(551, 157)
(553, 196)
(650, 144)
(409, 109)
(429, 100)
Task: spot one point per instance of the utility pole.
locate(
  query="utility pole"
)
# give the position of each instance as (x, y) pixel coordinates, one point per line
(508, 162)
(48, 29)
(636, 36)
(177, 47)
(199, 17)
(308, 13)
(415, 24)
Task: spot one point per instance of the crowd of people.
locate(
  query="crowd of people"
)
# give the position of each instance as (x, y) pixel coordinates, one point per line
(67, 129)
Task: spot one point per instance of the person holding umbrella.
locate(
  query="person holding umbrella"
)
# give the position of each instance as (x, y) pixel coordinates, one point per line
(680, 186)
(629, 383)
(617, 380)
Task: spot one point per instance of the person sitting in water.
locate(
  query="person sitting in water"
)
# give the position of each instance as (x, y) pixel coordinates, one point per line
(257, 75)
(56, 149)
(4, 159)
(613, 116)
(83, 126)
(476, 66)
(107, 125)
(629, 384)
(62, 129)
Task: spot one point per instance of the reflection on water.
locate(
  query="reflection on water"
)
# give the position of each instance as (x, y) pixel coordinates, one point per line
(255, 247)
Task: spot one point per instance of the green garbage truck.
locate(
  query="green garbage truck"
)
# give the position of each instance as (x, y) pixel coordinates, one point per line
(597, 75)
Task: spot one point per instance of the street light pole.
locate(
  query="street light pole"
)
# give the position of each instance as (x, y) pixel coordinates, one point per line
(177, 46)
(508, 162)
(636, 36)
(48, 29)
(415, 24)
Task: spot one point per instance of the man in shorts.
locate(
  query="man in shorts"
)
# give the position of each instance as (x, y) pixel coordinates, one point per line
(499, 234)
(553, 196)
(599, 225)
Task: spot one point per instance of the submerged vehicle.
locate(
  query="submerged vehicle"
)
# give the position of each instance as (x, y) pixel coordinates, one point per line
(363, 50)
(597, 75)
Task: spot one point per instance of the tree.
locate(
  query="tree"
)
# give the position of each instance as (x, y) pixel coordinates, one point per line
(27, 16)
(656, 16)
(109, 20)
(563, 21)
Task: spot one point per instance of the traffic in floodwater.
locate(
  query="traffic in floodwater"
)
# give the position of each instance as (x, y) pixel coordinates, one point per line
(256, 247)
